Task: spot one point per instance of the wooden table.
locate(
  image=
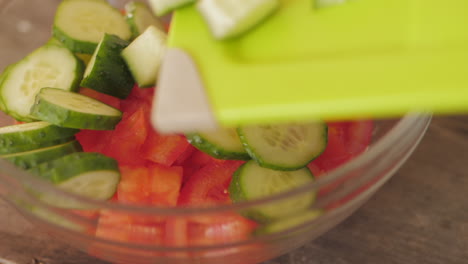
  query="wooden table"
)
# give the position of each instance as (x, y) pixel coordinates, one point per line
(420, 216)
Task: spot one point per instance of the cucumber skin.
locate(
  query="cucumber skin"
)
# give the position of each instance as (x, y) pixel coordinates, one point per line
(76, 46)
(62, 117)
(53, 132)
(112, 76)
(205, 146)
(79, 70)
(33, 146)
(27, 160)
(268, 165)
(66, 167)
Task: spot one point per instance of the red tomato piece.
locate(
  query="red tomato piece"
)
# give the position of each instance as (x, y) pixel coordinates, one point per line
(131, 105)
(129, 228)
(145, 94)
(134, 185)
(165, 183)
(228, 228)
(209, 185)
(346, 140)
(94, 140)
(127, 139)
(163, 149)
(152, 185)
(107, 99)
(189, 151)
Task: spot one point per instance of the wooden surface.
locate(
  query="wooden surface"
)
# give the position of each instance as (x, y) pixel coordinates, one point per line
(420, 216)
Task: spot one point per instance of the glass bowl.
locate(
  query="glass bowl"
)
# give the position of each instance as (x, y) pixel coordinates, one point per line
(189, 235)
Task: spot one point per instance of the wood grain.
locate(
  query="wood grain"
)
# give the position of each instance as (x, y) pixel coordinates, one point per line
(419, 217)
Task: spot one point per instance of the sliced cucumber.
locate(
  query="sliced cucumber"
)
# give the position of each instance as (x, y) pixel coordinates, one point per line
(74, 110)
(92, 175)
(144, 56)
(163, 7)
(231, 18)
(139, 18)
(32, 133)
(251, 182)
(26, 160)
(81, 24)
(289, 222)
(221, 144)
(32, 146)
(106, 71)
(285, 146)
(49, 66)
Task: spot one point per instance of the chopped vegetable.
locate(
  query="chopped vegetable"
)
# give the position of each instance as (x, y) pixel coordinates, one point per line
(81, 24)
(107, 72)
(144, 56)
(231, 18)
(162, 7)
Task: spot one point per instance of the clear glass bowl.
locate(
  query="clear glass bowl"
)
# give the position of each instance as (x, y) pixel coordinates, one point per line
(26, 24)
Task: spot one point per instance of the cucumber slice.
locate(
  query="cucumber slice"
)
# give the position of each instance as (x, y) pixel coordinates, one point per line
(49, 66)
(251, 181)
(289, 222)
(29, 159)
(81, 24)
(74, 110)
(139, 18)
(163, 7)
(92, 175)
(231, 18)
(31, 133)
(28, 147)
(221, 144)
(106, 71)
(285, 146)
(144, 56)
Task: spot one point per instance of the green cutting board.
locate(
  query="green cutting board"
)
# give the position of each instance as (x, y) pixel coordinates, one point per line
(364, 58)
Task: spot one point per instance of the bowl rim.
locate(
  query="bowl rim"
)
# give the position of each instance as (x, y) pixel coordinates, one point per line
(400, 129)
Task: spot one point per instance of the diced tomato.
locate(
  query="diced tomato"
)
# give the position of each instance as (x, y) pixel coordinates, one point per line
(227, 228)
(195, 162)
(145, 94)
(176, 232)
(163, 149)
(189, 151)
(123, 227)
(127, 139)
(208, 186)
(94, 140)
(346, 140)
(134, 185)
(152, 185)
(131, 105)
(107, 99)
(165, 184)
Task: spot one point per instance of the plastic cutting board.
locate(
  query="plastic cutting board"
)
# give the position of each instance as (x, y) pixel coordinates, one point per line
(364, 58)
